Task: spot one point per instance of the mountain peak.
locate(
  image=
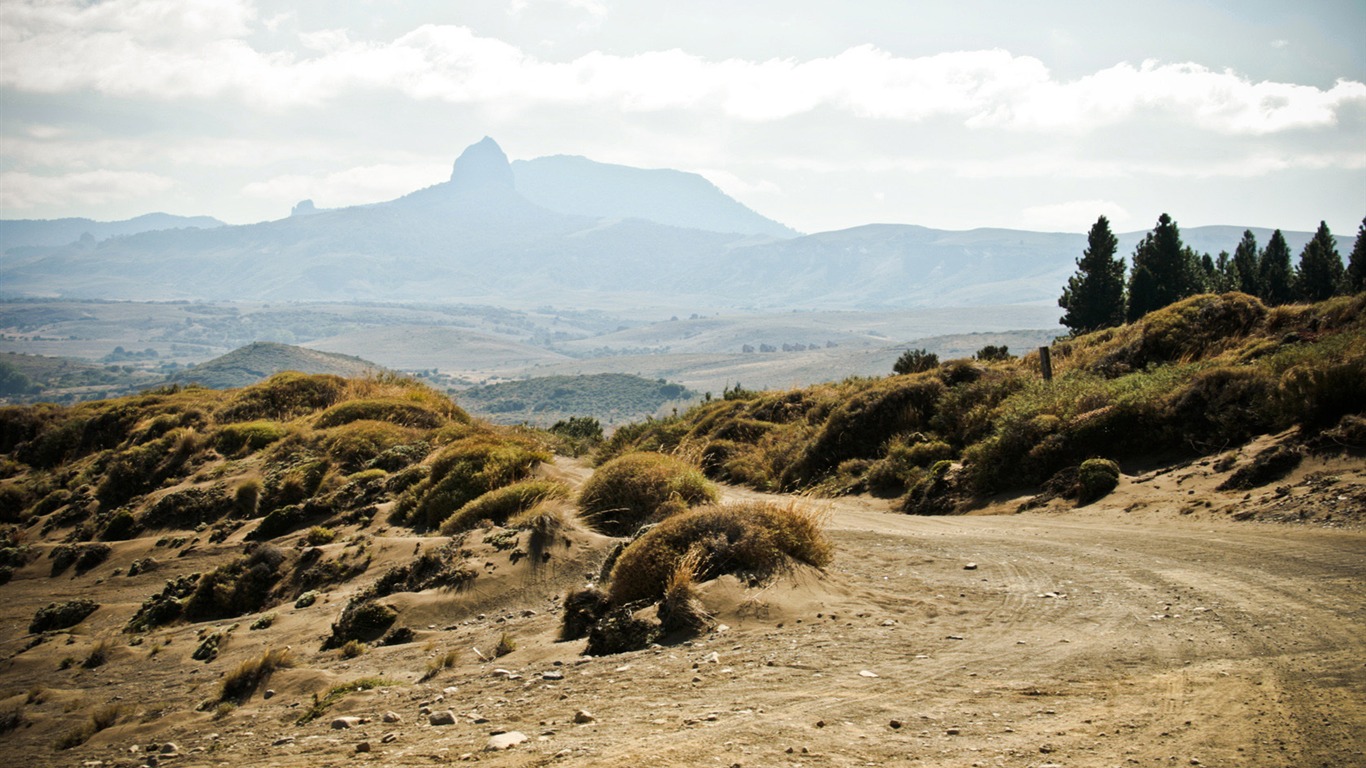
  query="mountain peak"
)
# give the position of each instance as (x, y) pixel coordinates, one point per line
(482, 166)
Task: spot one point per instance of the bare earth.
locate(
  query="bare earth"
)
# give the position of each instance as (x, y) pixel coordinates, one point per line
(1149, 629)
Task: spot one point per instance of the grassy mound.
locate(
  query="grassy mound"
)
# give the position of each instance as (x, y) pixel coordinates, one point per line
(755, 540)
(1203, 374)
(499, 505)
(629, 491)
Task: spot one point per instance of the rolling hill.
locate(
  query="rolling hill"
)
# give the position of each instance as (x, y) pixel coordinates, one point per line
(261, 360)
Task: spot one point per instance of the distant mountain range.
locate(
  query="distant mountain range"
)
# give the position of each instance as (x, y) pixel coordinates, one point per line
(556, 231)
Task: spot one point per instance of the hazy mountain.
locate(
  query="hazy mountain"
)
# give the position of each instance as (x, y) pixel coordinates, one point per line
(261, 360)
(16, 233)
(476, 238)
(580, 186)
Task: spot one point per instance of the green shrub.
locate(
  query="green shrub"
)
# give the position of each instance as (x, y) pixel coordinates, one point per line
(755, 540)
(248, 437)
(894, 472)
(354, 445)
(629, 491)
(188, 508)
(121, 526)
(501, 504)
(318, 536)
(915, 361)
(1095, 479)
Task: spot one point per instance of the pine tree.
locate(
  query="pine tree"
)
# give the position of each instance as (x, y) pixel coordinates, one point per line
(1274, 271)
(1094, 296)
(1247, 264)
(1226, 274)
(1356, 266)
(1320, 273)
(1164, 271)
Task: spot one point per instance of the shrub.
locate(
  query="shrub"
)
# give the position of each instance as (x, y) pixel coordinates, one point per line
(992, 354)
(858, 427)
(248, 437)
(99, 654)
(756, 540)
(915, 361)
(894, 473)
(680, 610)
(282, 397)
(465, 470)
(1095, 479)
(440, 662)
(403, 413)
(362, 619)
(1268, 466)
(1223, 406)
(239, 587)
(582, 608)
(62, 615)
(503, 503)
(630, 490)
(121, 526)
(505, 645)
(188, 508)
(619, 630)
(356, 444)
(318, 536)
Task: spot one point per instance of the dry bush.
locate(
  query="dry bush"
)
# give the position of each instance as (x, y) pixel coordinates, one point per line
(355, 444)
(501, 504)
(755, 540)
(362, 619)
(680, 610)
(582, 609)
(248, 437)
(62, 615)
(464, 470)
(629, 491)
(238, 587)
(439, 662)
(242, 682)
(99, 654)
(401, 413)
(283, 397)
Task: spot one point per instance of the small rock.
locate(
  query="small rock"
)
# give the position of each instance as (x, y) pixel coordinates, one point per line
(444, 717)
(894, 724)
(889, 623)
(712, 658)
(952, 731)
(391, 717)
(389, 738)
(584, 716)
(424, 711)
(867, 673)
(170, 748)
(553, 674)
(820, 723)
(282, 741)
(269, 694)
(954, 637)
(364, 746)
(504, 741)
(970, 567)
(342, 723)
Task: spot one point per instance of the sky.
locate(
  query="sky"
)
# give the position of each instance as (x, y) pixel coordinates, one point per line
(822, 115)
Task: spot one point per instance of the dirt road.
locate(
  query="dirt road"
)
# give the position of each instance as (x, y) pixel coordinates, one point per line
(1096, 638)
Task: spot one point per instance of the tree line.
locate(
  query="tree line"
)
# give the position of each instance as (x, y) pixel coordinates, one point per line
(1165, 271)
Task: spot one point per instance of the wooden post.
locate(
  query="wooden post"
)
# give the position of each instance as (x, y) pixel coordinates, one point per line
(1045, 364)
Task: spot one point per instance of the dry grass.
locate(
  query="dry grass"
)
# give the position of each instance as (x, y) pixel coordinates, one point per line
(680, 610)
(239, 684)
(630, 490)
(440, 662)
(502, 504)
(755, 540)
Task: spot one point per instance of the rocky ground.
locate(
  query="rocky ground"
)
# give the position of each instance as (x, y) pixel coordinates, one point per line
(1169, 624)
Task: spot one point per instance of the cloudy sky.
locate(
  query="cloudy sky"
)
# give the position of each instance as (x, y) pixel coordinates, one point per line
(823, 115)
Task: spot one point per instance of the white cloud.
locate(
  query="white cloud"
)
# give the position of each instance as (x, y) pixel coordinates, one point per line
(165, 49)
(22, 191)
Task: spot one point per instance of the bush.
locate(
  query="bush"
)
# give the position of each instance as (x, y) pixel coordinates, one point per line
(239, 587)
(502, 503)
(402, 413)
(619, 630)
(362, 620)
(915, 361)
(582, 609)
(248, 437)
(283, 397)
(992, 354)
(121, 526)
(62, 615)
(1095, 479)
(464, 471)
(188, 508)
(629, 491)
(756, 540)
(356, 444)
(1268, 466)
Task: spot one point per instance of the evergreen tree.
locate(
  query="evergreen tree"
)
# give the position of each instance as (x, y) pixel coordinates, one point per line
(1226, 273)
(1356, 266)
(1164, 271)
(1320, 273)
(1246, 263)
(1094, 296)
(1273, 272)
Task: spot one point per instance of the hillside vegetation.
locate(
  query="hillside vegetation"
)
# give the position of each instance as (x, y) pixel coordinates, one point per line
(613, 398)
(1197, 377)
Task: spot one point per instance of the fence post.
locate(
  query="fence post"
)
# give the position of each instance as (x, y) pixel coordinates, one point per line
(1045, 364)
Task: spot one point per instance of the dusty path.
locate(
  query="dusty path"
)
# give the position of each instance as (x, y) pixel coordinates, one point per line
(1098, 638)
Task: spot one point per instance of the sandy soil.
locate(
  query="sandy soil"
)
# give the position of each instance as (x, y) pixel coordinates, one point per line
(1150, 629)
